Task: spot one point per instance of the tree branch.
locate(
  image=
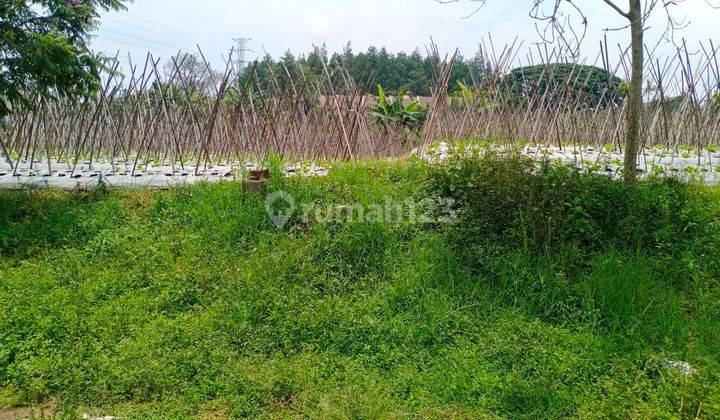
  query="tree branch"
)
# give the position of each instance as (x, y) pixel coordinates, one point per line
(617, 9)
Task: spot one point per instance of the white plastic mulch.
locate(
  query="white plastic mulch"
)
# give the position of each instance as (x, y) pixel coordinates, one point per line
(122, 175)
(684, 164)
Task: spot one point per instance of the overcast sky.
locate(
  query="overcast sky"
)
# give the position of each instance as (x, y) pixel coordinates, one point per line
(165, 26)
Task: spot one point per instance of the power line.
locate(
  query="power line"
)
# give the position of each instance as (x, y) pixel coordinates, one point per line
(166, 27)
(160, 47)
(126, 42)
(143, 42)
(140, 39)
(157, 52)
(165, 34)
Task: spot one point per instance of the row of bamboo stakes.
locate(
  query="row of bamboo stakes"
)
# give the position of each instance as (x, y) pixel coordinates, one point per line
(135, 121)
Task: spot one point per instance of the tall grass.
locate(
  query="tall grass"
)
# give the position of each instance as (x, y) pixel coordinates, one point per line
(190, 302)
(563, 244)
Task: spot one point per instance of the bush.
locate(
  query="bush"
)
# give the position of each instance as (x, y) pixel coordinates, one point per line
(574, 249)
(508, 203)
(555, 216)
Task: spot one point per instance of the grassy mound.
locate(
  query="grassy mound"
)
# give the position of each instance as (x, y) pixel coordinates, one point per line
(553, 294)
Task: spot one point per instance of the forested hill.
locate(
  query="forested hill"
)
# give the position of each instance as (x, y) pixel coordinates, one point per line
(394, 71)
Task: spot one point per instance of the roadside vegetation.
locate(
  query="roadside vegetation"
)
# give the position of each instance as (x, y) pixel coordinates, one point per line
(554, 294)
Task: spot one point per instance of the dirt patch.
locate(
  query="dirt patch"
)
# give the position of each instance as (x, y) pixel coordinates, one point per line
(46, 412)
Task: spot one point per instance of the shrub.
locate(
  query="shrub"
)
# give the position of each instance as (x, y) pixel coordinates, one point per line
(632, 261)
(508, 202)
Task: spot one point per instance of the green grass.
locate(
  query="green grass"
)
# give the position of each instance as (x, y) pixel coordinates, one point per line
(555, 294)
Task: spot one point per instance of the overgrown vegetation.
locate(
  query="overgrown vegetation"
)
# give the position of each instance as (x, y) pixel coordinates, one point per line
(516, 218)
(555, 294)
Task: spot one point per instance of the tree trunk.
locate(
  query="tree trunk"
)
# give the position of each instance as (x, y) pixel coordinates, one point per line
(635, 100)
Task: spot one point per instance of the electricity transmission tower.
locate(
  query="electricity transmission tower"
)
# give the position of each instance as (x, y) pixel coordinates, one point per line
(242, 51)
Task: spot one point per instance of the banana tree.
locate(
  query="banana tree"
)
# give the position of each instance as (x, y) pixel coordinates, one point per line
(392, 113)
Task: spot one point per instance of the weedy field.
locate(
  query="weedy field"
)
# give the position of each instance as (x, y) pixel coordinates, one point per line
(554, 294)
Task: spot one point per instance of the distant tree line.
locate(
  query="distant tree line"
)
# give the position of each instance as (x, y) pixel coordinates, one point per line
(394, 71)
(547, 85)
(565, 85)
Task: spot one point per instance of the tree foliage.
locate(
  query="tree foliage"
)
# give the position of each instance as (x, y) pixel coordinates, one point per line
(393, 112)
(395, 72)
(44, 49)
(565, 85)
